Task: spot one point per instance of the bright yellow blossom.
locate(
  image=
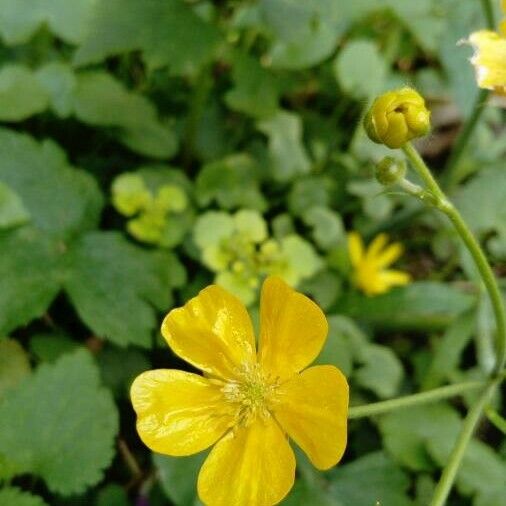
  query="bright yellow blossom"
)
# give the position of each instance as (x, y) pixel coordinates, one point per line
(370, 265)
(247, 404)
(489, 58)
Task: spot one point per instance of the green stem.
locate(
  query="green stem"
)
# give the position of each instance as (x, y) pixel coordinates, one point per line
(450, 471)
(488, 11)
(472, 245)
(452, 176)
(437, 394)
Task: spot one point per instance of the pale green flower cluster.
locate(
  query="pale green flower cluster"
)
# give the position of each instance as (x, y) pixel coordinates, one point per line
(154, 215)
(238, 248)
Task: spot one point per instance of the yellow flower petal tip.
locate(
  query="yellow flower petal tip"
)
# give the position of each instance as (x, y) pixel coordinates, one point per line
(489, 60)
(396, 117)
(249, 404)
(370, 272)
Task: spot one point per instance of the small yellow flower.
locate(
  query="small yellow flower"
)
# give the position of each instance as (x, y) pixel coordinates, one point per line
(370, 265)
(247, 404)
(489, 57)
(396, 117)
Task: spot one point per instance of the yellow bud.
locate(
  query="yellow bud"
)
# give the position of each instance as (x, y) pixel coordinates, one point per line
(397, 117)
(390, 170)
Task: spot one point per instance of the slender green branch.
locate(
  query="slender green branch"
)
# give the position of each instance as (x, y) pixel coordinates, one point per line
(437, 394)
(472, 245)
(451, 175)
(450, 471)
(488, 12)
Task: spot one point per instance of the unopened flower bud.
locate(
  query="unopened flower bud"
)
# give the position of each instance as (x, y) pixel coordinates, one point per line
(397, 117)
(390, 170)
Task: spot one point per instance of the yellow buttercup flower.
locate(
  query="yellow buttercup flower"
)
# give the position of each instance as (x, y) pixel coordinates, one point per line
(396, 117)
(489, 58)
(247, 404)
(371, 275)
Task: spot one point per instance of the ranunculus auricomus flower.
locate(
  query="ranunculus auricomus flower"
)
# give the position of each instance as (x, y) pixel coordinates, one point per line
(248, 403)
(370, 265)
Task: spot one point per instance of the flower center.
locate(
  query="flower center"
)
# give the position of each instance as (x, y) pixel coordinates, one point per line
(251, 394)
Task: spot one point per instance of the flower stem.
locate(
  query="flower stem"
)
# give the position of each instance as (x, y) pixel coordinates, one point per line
(437, 394)
(488, 11)
(472, 245)
(450, 471)
(451, 176)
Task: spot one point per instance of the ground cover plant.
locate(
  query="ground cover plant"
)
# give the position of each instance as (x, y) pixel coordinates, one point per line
(151, 148)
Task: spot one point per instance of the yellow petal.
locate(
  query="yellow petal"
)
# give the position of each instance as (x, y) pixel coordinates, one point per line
(392, 277)
(179, 413)
(213, 332)
(489, 60)
(293, 329)
(355, 248)
(313, 409)
(379, 242)
(389, 255)
(252, 465)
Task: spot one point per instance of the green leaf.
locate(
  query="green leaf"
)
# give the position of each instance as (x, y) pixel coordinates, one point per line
(50, 347)
(29, 277)
(12, 496)
(14, 365)
(445, 359)
(327, 226)
(107, 261)
(178, 477)
(360, 69)
(308, 192)
(112, 495)
(59, 81)
(60, 425)
(489, 187)
(304, 493)
(287, 153)
(369, 480)
(256, 90)
(100, 99)
(425, 305)
(407, 433)
(119, 367)
(337, 350)
(60, 199)
(211, 228)
(305, 32)
(300, 258)
(12, 210)
(167, 32)
(21, 95)
(482, 471)
(381, 372)
(231, 182)
(20, 19)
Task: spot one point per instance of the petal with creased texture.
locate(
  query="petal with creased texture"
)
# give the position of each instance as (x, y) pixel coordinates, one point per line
(313, 409)
(252, 465)
(213, 332)
(179, 413)
(293, 329)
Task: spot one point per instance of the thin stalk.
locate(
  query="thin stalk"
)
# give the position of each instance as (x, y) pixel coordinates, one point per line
(450, 471)
(472, 245)
(488, 12)
(451, 175)
(437, 394)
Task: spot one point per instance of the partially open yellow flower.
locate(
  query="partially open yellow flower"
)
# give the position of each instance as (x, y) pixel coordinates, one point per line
(489, 58)
(371, 275)
(247, 404)
(397, 117)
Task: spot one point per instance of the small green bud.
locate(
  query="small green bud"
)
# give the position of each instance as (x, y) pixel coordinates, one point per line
(397, 117)
(390, 170)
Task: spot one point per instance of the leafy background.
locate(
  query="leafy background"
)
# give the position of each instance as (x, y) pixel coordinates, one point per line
(149, 147)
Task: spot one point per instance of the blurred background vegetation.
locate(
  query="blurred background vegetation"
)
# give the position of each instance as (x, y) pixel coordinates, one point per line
(151, 147)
